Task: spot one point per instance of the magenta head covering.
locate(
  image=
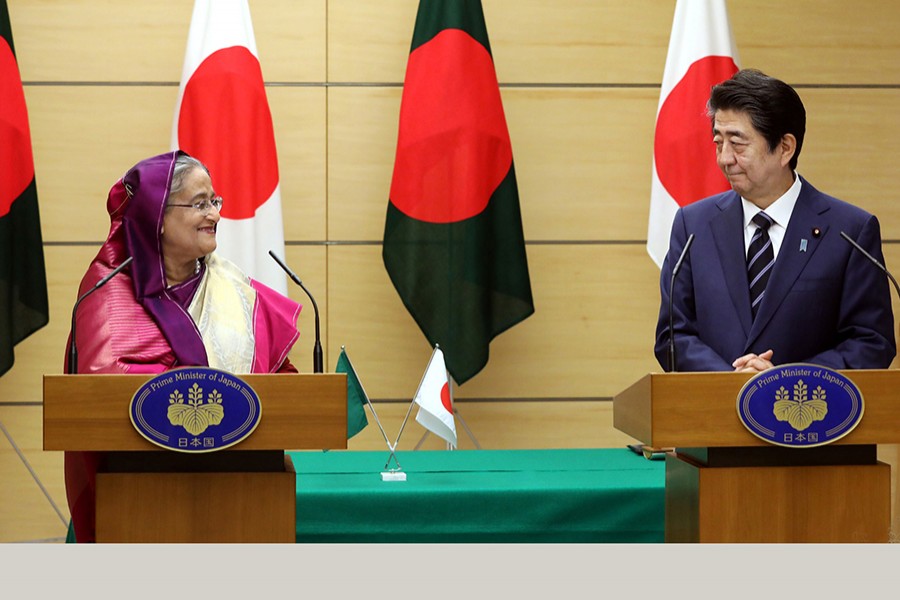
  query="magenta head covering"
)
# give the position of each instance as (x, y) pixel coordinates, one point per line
(147, 186)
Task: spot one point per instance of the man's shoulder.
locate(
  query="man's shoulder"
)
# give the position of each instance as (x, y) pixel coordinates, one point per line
(823, 202)
(711, 205)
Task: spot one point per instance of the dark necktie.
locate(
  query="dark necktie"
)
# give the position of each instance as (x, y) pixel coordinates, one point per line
(760, 258)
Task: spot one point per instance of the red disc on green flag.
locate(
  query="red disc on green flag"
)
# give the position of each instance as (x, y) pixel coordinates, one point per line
(451, 123)
(16, 161)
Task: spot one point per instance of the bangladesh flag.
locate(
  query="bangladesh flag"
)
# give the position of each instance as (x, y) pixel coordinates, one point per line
(23, 283)
(356, 396)
(453, 241)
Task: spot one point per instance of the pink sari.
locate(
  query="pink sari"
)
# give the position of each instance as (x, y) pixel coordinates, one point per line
(133, 325)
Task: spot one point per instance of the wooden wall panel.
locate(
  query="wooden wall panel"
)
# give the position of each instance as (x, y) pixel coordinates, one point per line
(45, 350)
(584, 41)
(501, 425)
(848, 149)
(291, 39)
(369, 41)
(90, 40)
(117, 41)
(309, 264)
(583, 161)
(26, 514)
(605, 41)
(362, 141)
(532, 40)
(572, 156)
(591, 334)
(819, 41)
(23, 505)
(581, 41)
(578, 179)
(583, 157)
(298, 115)
(84, 139)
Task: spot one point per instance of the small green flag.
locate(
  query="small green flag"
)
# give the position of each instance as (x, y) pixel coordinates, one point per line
(356, 396)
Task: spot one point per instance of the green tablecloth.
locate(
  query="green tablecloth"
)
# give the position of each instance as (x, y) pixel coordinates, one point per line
(493, 496)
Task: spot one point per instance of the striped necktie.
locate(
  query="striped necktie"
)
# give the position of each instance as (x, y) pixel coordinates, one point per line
(760, 258)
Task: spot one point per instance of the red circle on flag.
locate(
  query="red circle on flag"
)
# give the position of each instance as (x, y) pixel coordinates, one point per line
(445, 398)
(683, 150)
(16, 159)
(225, 122)
(453, 146)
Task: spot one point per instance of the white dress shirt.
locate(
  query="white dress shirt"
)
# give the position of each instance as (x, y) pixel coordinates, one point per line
(779, 211)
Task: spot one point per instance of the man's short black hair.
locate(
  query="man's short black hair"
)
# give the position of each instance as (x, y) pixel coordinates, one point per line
(774, 107)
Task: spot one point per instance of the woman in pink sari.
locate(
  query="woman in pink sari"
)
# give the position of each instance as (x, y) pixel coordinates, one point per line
(177, 304)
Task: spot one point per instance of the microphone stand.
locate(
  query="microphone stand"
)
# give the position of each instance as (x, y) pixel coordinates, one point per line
(675, 271)
(650, 452)
(318, 361)
(873, 260)
(73, 349)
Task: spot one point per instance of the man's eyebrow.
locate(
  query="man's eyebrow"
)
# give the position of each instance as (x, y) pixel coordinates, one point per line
(727, 131)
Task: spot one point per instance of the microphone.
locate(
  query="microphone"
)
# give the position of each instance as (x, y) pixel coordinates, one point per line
(675, 271)
(317, 350)
(873, 260)
(73, 350)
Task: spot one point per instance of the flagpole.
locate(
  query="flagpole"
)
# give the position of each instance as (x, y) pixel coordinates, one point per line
(413, 401)
(459, 416)
(452, 403)
(366, 396)
(374, 414)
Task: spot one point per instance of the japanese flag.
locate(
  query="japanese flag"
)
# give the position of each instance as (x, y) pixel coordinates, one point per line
(433, 397)
(701, 54)
(222, 118)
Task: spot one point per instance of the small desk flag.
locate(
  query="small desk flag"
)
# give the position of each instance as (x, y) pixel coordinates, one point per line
(433, 397)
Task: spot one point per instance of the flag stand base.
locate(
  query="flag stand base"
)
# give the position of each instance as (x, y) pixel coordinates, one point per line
(393, 476)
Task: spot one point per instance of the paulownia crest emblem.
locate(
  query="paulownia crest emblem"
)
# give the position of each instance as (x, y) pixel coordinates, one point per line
(195, 416)
(800, 411)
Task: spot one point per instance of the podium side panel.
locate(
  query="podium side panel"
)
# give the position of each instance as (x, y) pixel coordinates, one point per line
(632, 410)
(682, 524)
(196, 507)
(827, 504)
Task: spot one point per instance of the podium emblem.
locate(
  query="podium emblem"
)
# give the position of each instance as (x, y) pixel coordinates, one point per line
(195, 409)
(800, 405)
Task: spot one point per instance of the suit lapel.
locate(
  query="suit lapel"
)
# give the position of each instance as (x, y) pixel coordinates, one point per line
(727, 230)
(792, 258)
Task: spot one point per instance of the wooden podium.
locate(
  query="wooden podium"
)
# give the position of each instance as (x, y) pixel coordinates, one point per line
(245, 493)
(723, 484)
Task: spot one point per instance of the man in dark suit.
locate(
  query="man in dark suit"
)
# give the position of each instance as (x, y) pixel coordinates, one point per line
(779, 287)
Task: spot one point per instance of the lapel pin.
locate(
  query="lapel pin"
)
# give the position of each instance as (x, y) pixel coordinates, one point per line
(803, 245)
(816, 232)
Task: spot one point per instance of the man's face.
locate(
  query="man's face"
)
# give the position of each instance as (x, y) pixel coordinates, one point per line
(757, 174)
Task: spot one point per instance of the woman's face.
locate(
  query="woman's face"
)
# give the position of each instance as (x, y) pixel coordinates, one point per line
(188, 233)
